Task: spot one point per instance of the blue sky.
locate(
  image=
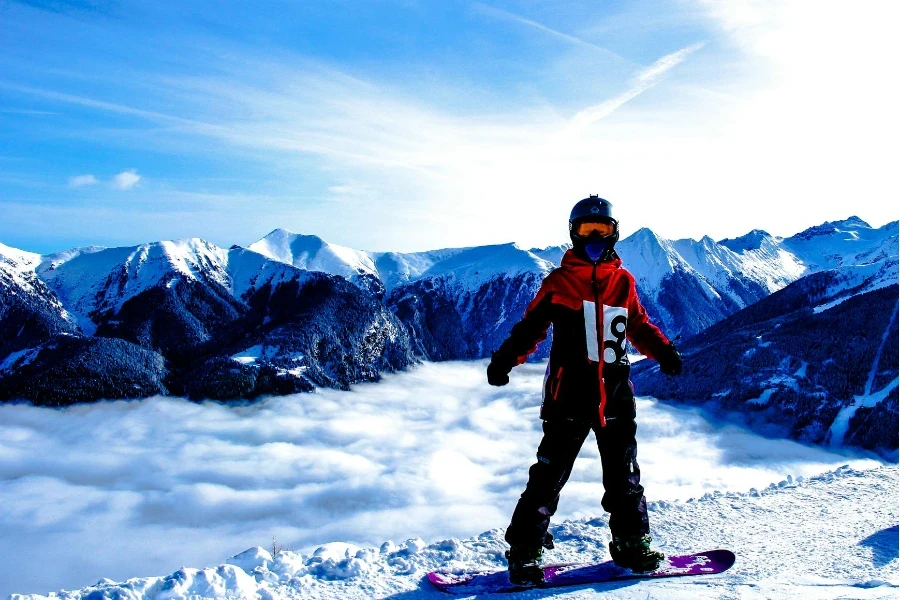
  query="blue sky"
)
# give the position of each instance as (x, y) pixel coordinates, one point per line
(404, 125)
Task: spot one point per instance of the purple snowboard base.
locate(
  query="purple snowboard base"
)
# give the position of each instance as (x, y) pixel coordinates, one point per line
(480, 582)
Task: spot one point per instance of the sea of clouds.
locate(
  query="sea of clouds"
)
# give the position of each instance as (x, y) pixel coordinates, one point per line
(137, 488)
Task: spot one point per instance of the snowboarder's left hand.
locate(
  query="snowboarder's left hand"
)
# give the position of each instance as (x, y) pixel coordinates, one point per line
(497, 375)
(670, 360)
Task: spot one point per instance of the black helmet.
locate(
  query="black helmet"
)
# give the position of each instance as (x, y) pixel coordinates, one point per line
(594, 243)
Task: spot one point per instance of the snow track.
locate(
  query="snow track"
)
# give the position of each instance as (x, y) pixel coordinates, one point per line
(827, 537)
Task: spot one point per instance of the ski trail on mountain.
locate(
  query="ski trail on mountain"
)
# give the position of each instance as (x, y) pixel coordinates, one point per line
(841, 424)
(884, 339)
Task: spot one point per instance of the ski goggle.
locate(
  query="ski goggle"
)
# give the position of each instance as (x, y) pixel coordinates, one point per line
(586, 228)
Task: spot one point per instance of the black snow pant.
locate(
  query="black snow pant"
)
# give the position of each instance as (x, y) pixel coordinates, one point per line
(623, 498)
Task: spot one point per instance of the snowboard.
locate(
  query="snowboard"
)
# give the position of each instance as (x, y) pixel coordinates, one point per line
(482, 582)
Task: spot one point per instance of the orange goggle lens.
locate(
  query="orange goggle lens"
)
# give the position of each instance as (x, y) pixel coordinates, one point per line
(603, 228)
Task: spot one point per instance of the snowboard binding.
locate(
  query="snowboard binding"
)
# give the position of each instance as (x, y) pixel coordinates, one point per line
(524, 565)
(634, 552)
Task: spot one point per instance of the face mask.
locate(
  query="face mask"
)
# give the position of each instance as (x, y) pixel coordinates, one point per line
(595, 249)
(596, 246)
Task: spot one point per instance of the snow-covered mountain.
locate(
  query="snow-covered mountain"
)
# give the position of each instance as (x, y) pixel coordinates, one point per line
(188, 302)
(818, 358)
(294, 311)
(29, 310)
(455, 303)
(312, 253)
(465, 305)
(686, 285)
(470, 267)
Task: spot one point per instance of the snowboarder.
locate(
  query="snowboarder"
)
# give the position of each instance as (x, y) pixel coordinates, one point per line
(592, 304)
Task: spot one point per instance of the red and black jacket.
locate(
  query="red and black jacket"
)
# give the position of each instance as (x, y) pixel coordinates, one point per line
(593, 308)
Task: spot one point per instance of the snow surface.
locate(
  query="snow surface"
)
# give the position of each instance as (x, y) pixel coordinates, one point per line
(430, 458)
(832, 536)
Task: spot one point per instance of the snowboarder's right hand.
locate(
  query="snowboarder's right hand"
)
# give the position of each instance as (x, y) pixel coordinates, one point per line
(497, 375)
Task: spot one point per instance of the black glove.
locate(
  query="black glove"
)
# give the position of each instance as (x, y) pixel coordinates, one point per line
(670, 360)
(497, 374)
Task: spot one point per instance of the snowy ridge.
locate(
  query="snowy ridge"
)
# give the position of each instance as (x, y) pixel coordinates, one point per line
(396, 269)
(766, 264)
(839, 243)
(247, 271)
(856, 279)
(18, 265)
(456, 303)
(473, 267)
(18, 277)
(94, 280)
(312, 253)
(828, 536)
(468, 267)
(650, 257)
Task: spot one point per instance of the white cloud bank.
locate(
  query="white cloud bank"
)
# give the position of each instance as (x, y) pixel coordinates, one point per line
(149, 486)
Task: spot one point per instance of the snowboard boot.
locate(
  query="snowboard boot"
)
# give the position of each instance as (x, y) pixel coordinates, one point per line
(525, 565)
(633, 552)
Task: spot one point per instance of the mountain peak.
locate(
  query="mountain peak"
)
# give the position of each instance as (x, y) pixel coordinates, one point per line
(748, 241)
(285, 236)
(856, 222)
(312, 253)
(831, 227)
(22, 258)
(645, 235)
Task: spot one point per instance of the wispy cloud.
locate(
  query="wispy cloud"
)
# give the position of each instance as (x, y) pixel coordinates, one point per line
(642, 82)
(97, 104)
(418, 159)
(126, 179)
(82, 180)
(509, 16)
(27, 111)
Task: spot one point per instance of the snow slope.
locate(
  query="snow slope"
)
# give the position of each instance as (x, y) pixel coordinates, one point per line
(830, 536)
